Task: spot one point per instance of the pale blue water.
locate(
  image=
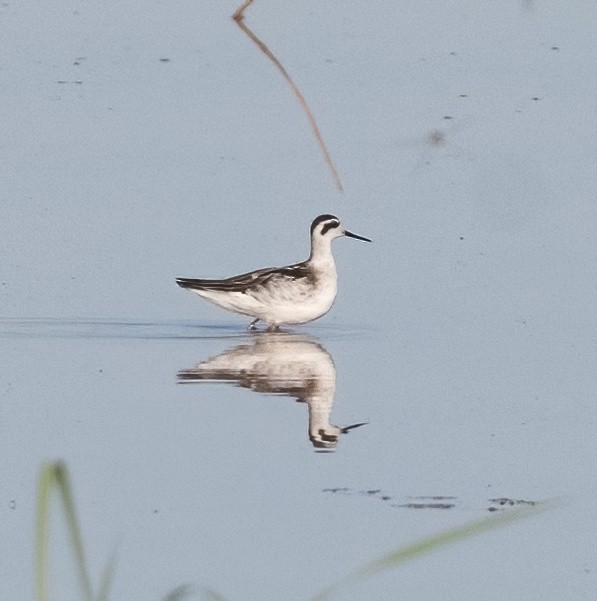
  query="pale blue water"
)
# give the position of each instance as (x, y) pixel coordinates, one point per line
(464, 336)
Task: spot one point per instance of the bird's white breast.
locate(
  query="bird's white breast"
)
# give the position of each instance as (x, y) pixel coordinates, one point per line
(304, 300)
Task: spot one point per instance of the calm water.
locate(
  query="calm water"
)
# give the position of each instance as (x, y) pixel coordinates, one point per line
(456, 367)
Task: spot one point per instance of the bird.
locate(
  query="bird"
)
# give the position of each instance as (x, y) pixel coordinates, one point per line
(280, 296)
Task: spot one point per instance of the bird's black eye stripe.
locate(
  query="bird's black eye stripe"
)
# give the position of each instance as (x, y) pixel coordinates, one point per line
(329, 226)
(322, 219)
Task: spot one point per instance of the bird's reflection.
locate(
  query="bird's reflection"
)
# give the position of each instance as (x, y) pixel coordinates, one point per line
(281, 363)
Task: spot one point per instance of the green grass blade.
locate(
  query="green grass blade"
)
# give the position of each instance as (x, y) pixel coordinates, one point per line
(42, 532)
(212, 595)
(54, 477)
(186, 591)
(65, 490)
(103, 593)
(430, 543)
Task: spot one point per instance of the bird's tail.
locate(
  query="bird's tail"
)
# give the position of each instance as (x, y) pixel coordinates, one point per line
(190, 283)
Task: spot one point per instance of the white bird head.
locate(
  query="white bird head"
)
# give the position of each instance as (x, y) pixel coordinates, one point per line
(329, 227)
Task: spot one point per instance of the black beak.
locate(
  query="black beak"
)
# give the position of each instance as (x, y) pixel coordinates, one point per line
(347, 428)
(351, 235)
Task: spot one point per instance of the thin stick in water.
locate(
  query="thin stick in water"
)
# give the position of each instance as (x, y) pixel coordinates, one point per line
(239, 18)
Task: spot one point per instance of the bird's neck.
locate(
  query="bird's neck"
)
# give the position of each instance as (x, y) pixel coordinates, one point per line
(321, 252)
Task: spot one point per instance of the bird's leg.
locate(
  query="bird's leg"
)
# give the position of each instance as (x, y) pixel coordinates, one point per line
(252, 326)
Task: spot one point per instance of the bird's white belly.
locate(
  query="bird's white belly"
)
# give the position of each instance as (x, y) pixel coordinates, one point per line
(294, 312)
(294, 303)
(298, 304)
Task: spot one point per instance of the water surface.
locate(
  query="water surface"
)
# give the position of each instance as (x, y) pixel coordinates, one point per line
(462, 339)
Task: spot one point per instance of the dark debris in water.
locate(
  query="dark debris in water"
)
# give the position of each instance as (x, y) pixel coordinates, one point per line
(436, 138)
(417, 502)
(437, 498)
(503, 502)
(427, 501)
(426, 505)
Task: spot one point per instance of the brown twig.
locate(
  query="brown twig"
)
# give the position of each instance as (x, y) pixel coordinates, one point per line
(239, 18)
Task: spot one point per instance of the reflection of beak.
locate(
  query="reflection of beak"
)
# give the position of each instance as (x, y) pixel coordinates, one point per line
(347, 428)
(351, 235)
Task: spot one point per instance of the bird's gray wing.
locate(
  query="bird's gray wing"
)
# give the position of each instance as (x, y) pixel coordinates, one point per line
(253, 279)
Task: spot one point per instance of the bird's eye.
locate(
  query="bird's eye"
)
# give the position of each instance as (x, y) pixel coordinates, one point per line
(329, 225)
